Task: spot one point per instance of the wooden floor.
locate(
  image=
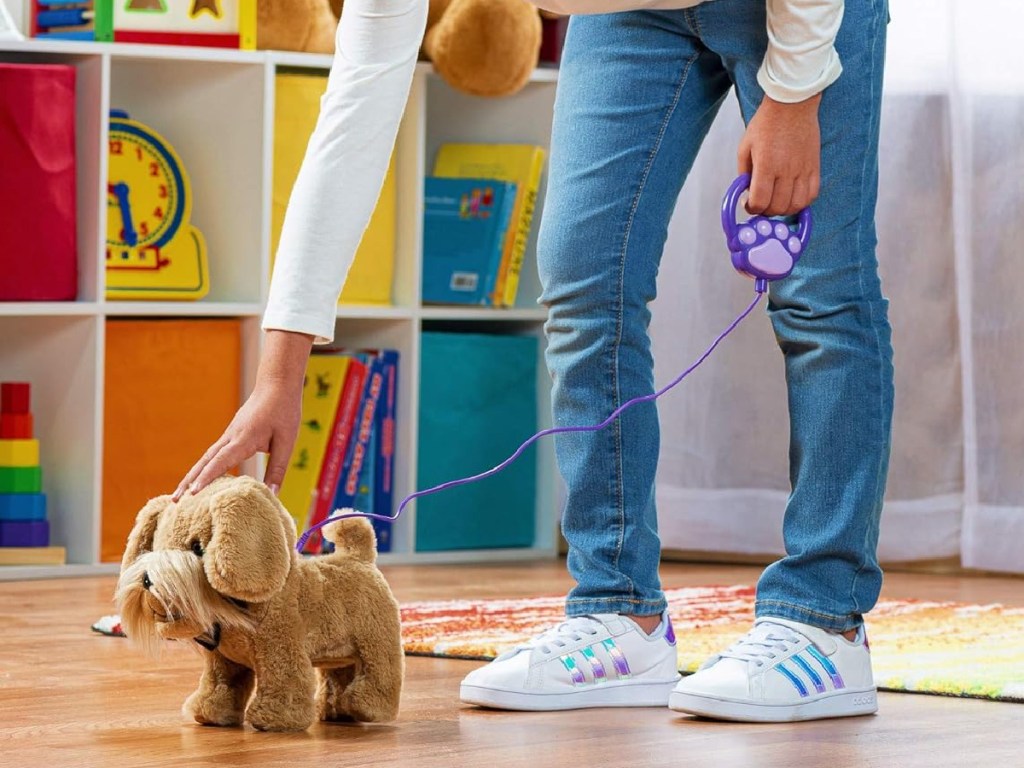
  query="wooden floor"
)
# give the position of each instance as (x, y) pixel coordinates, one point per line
(71, 698)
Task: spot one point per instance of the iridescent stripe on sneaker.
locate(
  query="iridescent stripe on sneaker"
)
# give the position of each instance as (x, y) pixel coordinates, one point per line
(801, 689)
(819, 686)
(828, 666)
(621, 666)
(670, 634)
(595, 665)
(574, 672)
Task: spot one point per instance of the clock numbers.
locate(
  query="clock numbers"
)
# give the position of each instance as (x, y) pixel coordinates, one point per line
(159, 213)
(162, 192)
(154, 169)
(116, 147)
(138, 153)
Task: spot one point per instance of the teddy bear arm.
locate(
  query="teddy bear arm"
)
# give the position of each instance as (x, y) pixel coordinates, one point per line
(224, 689)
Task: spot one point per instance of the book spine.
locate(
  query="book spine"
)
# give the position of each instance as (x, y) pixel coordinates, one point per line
(324, 381)
(337, 447)
(501, 237)
(384, 487)
(522, 230)
(508, 245)
(348, 485)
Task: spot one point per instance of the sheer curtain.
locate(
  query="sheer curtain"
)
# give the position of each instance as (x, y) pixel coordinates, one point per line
(951, 248)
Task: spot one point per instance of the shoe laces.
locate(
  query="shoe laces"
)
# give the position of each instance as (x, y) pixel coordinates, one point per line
(763, 644)
(570, 631)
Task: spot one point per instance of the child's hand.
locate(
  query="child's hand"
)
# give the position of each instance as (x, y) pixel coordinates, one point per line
(268, 422)
(782, 151)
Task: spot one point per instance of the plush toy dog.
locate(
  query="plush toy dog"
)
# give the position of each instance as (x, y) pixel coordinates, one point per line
(317, 637)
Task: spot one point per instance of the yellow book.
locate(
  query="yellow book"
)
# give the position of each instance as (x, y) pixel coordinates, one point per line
(518, 163)
(296, 108)
(321, 390)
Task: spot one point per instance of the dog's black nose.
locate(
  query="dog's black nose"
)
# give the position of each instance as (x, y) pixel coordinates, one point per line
(146, 583)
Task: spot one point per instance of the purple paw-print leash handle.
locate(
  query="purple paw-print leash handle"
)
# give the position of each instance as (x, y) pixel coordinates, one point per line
(762, 248)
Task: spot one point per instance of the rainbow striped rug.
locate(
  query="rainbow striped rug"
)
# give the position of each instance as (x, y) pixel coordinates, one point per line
(952, 649)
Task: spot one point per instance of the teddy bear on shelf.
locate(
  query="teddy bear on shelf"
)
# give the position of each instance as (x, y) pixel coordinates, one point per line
(480, 47)
(316, 638)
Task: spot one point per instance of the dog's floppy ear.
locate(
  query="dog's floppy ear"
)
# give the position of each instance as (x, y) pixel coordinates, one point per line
(250, 550)
(141, 538)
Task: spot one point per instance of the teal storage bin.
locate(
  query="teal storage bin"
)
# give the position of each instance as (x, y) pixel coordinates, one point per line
(478, 403)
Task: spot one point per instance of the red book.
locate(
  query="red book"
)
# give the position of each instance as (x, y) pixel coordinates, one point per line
(337, 447)
(38, 240)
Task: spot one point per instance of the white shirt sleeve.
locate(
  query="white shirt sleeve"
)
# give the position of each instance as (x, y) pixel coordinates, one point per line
(346, 160)
(801, 60)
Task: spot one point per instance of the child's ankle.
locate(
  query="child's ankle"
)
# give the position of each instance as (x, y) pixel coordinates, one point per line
(647, 623)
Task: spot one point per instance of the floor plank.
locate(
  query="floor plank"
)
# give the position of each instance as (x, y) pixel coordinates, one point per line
(69, 697)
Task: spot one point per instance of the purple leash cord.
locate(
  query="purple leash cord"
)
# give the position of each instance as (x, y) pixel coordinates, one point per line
(760, 288)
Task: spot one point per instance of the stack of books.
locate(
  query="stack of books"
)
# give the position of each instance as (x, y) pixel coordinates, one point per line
(478, 212)
(344, 455)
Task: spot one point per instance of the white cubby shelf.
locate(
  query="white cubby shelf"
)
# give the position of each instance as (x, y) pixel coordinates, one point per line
(216, 107)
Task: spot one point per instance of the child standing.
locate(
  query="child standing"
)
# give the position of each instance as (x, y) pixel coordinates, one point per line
(640, 83)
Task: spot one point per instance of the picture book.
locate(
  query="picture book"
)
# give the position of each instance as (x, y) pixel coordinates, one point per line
(321, 391)
(356, 456)
(522, 164)
(384, 433)
(337, 447)
(465, 223)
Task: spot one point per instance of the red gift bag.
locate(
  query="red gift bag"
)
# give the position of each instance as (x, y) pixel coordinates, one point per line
(38, 254)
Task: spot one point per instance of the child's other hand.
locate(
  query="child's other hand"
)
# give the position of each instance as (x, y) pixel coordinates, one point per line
(267, 422)
(782, 151)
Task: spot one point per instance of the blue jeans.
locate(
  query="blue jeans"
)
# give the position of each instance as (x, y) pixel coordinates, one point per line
(637, 94)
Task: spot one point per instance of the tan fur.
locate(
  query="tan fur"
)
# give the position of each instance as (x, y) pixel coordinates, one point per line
(314, 637)
(295, 25)
(485, 47)
(481, 47)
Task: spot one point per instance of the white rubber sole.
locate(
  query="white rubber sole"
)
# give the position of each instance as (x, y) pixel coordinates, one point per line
(845, 704)
(617, 694)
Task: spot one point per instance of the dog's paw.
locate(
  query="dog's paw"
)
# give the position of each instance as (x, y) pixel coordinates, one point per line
(280, 716)
(366, 704)
(207, 710)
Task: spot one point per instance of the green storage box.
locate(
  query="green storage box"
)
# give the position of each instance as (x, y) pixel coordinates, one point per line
(478, 403)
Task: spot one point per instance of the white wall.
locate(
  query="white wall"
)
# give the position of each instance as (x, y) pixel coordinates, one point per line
(19, 12)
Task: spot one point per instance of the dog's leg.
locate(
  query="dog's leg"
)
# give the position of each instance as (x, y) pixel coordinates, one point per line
(332, 684)
(223, 691)
(284, 693)
(373, 695)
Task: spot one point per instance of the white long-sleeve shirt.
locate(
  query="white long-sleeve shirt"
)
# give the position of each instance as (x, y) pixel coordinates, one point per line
(347, 156)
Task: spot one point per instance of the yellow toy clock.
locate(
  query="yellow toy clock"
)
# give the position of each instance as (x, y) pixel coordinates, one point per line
(153, 251)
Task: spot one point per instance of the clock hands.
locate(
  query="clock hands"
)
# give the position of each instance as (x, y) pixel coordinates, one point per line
(120, 191)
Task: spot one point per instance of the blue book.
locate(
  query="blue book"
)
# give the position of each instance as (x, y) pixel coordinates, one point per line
(358, 449)
(384, 437)
(464, 226)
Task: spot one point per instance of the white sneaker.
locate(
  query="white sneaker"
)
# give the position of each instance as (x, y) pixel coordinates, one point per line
(603, 660)
(782, 671)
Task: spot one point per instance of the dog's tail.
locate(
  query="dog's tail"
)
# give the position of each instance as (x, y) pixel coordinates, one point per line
(352, 538)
